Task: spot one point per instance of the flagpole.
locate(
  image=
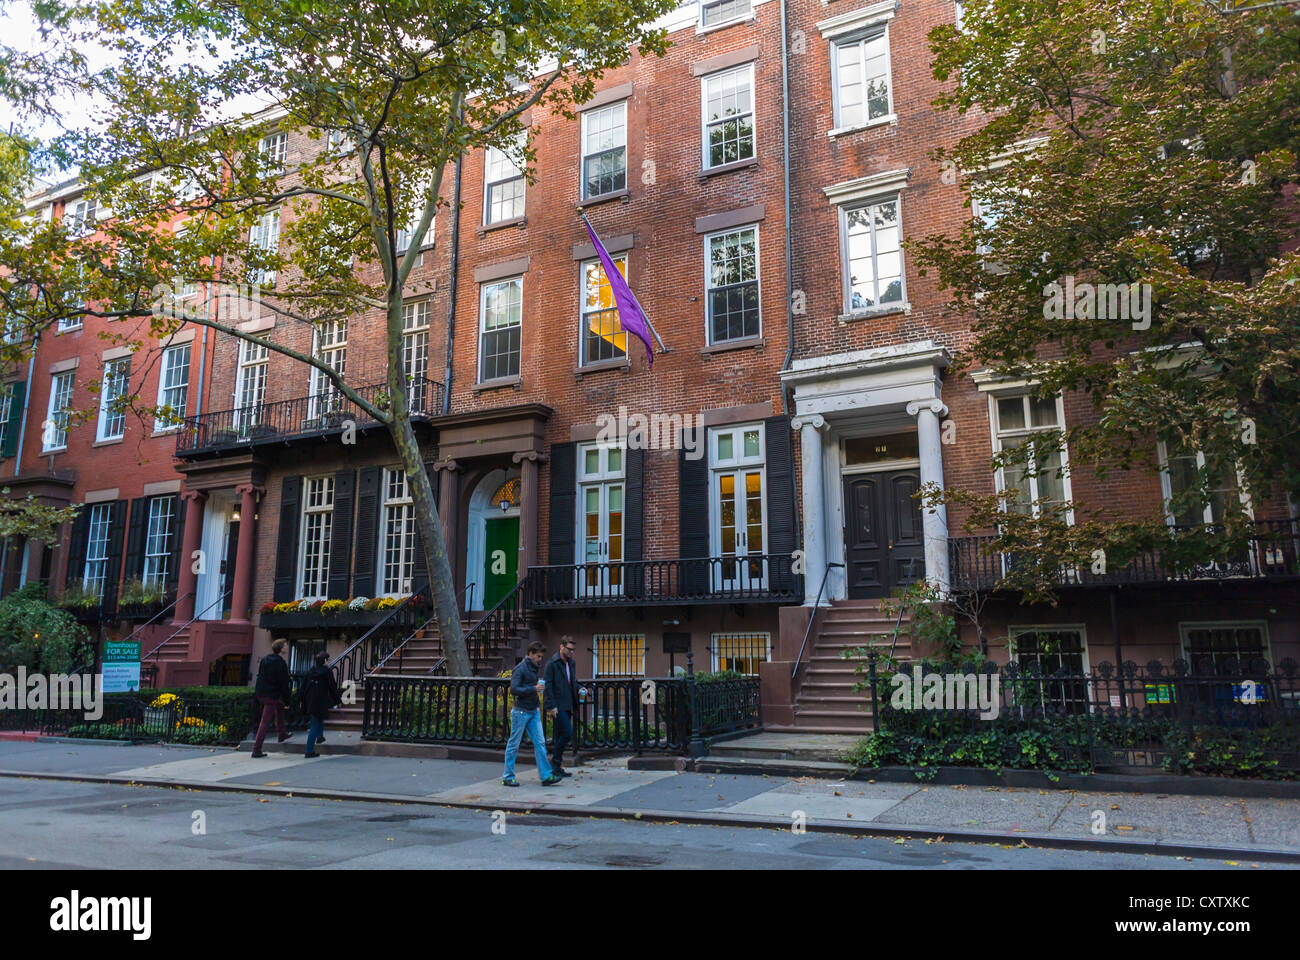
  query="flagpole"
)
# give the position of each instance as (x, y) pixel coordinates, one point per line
(662, 348)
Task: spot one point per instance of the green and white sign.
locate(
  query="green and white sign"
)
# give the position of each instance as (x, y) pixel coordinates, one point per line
(121, 666)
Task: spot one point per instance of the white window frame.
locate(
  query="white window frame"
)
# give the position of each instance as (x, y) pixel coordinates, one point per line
(250, 383)
(265, 235)
(274, 148)
(708, 282)
(415, 353)
(484, 289)
(737, 635)
(97, 548)
(998, 436)
(497, 162)
(585, 311)
(1185, 625)
(397, 515)
(587, 117)
(84, 215)
(329, 345)
(737, 463)
(114, 384)
(180, 389)
(747, 71)
(595, 653)
(846, 261)
(57, 412)
(603, 580)
(160, 534)
(6, 408)
(404, 236)
(1167, 487)
(736, 17)
(859, 40)
(317, 513)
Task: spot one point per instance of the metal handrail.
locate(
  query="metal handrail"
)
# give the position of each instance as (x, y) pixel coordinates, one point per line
(220, 599)
(157, 615)
(816, 603)
(499, 612)
(898, 621)
(335, 664)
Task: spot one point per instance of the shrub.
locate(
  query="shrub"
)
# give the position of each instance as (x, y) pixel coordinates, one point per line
(39, 636)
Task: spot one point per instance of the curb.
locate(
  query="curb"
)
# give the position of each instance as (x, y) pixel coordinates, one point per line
(1050, 841)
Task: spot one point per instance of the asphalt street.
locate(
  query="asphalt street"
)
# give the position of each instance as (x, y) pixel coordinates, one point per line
(47, 824)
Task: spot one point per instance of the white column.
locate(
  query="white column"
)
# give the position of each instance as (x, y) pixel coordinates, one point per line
(934, 520)
(810, 427)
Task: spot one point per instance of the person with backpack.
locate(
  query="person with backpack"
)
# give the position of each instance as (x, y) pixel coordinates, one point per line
(272, 692)
(319, 693)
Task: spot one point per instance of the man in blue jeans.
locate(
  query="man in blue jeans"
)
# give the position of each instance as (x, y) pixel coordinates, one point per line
(526, 716)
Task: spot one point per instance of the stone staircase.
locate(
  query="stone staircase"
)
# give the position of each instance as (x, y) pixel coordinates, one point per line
(826, 701)
(186, 658)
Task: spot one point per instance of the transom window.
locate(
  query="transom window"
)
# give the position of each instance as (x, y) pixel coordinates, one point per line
(112, 419)
(397, 559)
(158, 540)
(618, 655)
(729, 116)
(55, 433)
(603, 337)
(501, 314)
(1042, 480)
(317, 525)
(503, 188)
(415, 355)
(604, 150)
(861, 72)
(173, 387)
(714, 12)
(741, 652)
(873, 255)
(97, 539)
(732, 274)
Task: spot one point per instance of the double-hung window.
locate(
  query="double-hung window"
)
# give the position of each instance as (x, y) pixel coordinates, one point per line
(604, 150)
(732, 279)
(603, 337)
(500, 323)
(250, 383)
(715, 12)
(873, 255)
(6, 411)
(397, 544)
(1187, 503)
(332, 350)
(274, 149)
(173, 387)
(317, 524)
(265, 237)
(95, 574)
(1040, 479)
(112, 419)
(82, 216)
(406, 235)
(415, 356)
(860, 67)
(54, 435)
(160, 530)
(728, 116)
(503, 188)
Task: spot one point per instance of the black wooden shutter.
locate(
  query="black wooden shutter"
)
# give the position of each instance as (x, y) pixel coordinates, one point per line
(634, 522)
(135, 535)
(286, 547)
(780, 501)
(345, 500)
(693, 517)
(178, 539)
(363, 568)
(77, 544)
(560, 551)
(116, 543)
(13, 426)
(420, 568)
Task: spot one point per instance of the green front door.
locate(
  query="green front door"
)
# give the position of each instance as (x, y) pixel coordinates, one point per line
(501, 559)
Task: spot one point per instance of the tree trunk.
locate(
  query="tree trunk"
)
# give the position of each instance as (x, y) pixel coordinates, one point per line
(441, 583)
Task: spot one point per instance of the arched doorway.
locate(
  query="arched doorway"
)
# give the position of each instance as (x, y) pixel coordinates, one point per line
(492, 553)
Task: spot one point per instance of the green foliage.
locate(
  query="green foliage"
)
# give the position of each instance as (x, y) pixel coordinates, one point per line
(77, 597)
(29, 517)
(36, 635)
(135, 593)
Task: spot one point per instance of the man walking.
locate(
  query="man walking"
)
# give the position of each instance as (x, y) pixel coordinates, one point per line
(526, 716)
(561, 699)
(272, 692)
(319, 693)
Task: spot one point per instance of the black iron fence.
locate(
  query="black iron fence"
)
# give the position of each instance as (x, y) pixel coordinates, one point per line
(135, 717)
(313, 415)
(757, 578)
(1217, 715)
(1270, 549)
(637, 714)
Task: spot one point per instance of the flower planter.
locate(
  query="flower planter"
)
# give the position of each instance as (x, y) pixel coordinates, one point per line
(340, 620)
(139, 611)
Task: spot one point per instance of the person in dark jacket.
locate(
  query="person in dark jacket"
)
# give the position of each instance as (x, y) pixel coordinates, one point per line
(526, 716)
(320, 692)
(272, 692)
(561, 700)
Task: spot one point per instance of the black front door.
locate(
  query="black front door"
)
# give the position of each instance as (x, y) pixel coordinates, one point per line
(883, 545)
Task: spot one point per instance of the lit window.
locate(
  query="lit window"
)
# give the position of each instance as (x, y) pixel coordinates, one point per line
(602, 334)
(741, 652)
(618, 655)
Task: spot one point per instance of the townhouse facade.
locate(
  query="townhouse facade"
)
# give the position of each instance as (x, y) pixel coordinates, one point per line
(748, 499)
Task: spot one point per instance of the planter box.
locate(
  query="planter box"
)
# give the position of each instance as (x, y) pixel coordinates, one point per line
(143, 611)
(342, 620)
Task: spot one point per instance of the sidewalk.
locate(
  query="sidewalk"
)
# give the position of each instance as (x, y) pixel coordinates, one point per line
(1259, 829)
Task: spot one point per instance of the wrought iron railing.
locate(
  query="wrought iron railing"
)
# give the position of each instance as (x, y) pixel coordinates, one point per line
(352, 665)
(1270, 550)
(812, 616)
(756, 578)
(308, 416)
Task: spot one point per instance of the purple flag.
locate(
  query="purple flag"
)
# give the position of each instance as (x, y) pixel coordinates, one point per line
(630, 315)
